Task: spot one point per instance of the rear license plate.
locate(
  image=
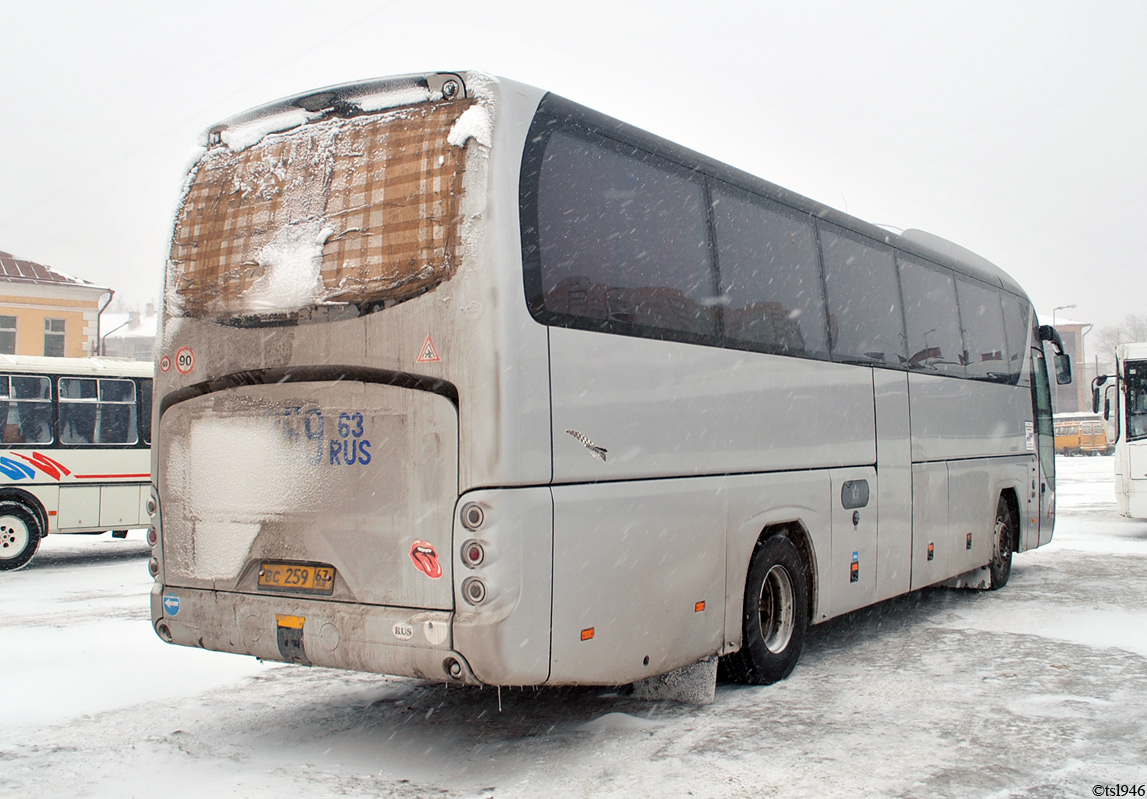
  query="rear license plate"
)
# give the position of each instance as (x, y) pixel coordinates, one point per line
(300, 577)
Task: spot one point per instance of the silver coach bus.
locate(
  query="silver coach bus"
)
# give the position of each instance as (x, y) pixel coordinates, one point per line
(462, 380)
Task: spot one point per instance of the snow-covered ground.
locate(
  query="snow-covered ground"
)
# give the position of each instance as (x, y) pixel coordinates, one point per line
(1038, 690)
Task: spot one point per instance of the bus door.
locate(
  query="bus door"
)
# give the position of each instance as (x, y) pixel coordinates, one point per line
(1043, 470)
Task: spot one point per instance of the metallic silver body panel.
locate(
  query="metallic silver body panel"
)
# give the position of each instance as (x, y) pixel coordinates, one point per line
(930, 525)
(631, 561)
(853, 543)
(953, 418)
(759, 501)
(665, 409)
(341, 635)
(892, 497)
(311, 472)
(506, 639)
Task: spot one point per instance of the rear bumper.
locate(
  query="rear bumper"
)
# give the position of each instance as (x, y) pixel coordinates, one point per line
(386, 640)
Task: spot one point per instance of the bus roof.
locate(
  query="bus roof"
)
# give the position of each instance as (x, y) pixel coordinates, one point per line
(1136, 351)
(115, 367)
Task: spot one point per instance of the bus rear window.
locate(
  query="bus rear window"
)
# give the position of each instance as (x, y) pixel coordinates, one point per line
(362, 211)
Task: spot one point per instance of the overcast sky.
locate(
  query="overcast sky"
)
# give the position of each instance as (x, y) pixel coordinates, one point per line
(1018, 130)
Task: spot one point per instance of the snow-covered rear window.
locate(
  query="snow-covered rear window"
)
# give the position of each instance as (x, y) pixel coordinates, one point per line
(362, 210)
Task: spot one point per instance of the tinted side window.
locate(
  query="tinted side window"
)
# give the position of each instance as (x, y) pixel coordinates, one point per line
(934, 338)
(623, 240)
(145, 409)
(25, 409)
(864, 318)
(1016, 328)
(771, 291)
(984, 339)
(94, 411)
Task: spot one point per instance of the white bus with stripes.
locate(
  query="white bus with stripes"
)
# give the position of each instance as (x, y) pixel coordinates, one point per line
(1123, 400)
(489, 387)
(75, 451)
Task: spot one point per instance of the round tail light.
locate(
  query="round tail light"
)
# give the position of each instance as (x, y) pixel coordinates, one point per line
(472, 516)
(474, 590)
(473, 554)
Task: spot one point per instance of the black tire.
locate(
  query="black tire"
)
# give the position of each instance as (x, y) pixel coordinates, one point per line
(775, 615)
(1003, 545)
(20, 534)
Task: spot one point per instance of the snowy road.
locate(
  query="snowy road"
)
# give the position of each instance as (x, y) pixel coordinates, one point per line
(1038, 690)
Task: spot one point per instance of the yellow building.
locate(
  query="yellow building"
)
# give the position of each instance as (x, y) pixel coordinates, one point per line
(45, 312)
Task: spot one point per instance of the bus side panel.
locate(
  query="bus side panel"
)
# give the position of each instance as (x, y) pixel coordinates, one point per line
(1135, 487)
(639, 578)
(893, 500)
(990, 421)
(759, 501)
(931, 547)
(971, 514)
(119, 506)
(79, 507)
(855, 561)
(661, 409)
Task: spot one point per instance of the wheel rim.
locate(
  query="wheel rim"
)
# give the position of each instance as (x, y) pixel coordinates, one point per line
(14, 537)
(776, 609)
(1003, 542)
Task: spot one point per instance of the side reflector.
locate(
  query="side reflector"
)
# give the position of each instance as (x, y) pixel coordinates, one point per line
(587, 634)
(699, 607)
(292, 622)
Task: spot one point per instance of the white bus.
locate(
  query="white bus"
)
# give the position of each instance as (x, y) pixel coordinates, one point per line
(1124, 401)
(466, 381)
(75, 452)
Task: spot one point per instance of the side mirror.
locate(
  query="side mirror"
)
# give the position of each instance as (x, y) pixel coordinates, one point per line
(1107, 409)
(1062, 368)
(1095, 384)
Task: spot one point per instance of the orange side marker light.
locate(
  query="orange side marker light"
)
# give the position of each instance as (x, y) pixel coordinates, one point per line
(587, 634)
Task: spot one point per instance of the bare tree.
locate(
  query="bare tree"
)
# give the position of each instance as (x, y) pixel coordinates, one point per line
(1132, 328)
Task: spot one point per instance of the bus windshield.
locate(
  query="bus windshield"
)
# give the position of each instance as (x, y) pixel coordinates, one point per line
(1135, 382)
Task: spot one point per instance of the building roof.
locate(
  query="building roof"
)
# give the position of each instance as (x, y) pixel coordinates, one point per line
(19, 270)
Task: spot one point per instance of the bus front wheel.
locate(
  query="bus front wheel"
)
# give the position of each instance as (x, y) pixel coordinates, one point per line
(775, 615)
(1003, 544)
(19, 534)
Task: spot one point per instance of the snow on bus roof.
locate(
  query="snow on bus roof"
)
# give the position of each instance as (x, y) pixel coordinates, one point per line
(100, 365)
(248, 128)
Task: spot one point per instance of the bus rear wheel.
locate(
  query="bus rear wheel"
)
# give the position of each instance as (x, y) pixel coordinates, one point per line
(19, 534)
(1003, 544)
(775, 615)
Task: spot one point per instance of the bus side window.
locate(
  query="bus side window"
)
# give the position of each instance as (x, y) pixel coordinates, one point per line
(117, 412)
(623, 239)
(934, 338)
(866, 324)
(145, 409)
(771, 290)
(27, 410)
(1016, 329)
(982, 320)
(78, 398)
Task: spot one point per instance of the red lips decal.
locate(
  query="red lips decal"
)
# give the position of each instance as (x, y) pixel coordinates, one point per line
(425, 559)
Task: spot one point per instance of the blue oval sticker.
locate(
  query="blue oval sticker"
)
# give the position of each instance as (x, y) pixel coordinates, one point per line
(171, 604)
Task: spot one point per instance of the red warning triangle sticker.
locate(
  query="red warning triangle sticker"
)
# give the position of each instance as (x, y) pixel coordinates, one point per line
(428, 354)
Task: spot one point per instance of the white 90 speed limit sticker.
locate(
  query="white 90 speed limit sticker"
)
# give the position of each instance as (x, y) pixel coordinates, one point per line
(185, 360)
